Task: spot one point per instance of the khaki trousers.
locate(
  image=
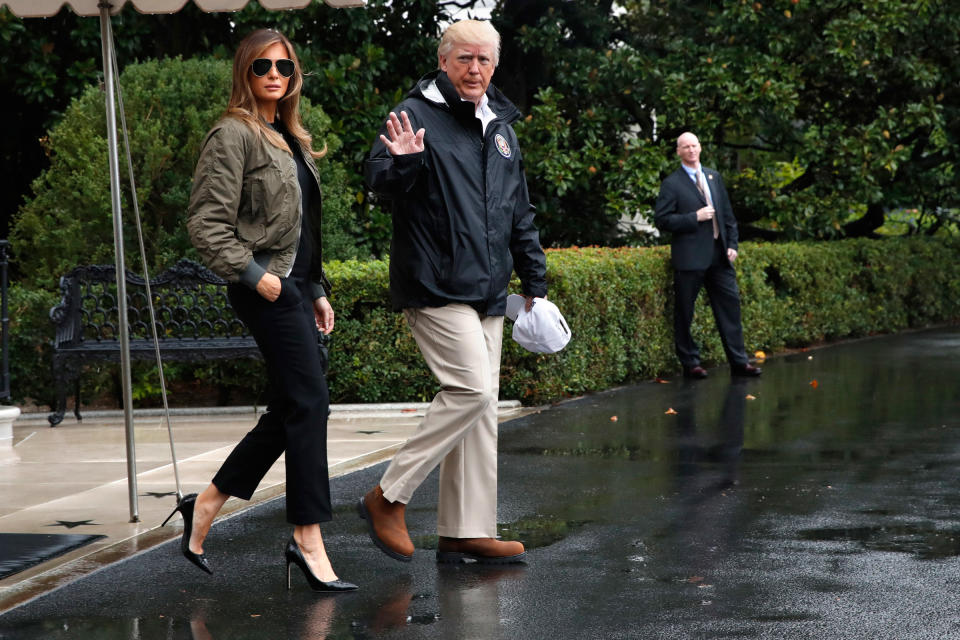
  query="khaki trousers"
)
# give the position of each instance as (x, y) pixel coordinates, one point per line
(459, 430)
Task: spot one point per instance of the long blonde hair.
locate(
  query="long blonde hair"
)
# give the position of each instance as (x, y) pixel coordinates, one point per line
(243, 104)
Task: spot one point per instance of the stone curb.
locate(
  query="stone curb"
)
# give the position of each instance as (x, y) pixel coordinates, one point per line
(373, 410)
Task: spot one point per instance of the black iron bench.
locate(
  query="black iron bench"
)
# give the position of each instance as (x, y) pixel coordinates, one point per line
(195, 322)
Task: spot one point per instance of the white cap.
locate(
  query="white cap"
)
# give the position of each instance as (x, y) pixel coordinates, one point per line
(542, 329)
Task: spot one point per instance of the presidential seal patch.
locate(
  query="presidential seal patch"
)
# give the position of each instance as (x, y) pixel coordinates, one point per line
(502, 145)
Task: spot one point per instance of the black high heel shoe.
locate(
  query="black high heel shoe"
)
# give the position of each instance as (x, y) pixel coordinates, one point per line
(185, 507)
(294, 556)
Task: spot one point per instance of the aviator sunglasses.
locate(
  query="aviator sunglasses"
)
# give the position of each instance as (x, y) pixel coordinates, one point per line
(261, 67)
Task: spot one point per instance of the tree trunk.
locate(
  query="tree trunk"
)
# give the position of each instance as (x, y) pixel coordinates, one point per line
(864, 227)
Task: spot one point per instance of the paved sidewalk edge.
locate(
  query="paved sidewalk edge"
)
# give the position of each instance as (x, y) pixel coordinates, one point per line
(81, 562)
(372, 410)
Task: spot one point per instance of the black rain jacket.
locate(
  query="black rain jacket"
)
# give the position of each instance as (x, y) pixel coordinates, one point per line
(462, 218)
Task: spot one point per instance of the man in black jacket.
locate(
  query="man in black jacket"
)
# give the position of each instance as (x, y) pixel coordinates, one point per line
(694, 207)
(451, 168)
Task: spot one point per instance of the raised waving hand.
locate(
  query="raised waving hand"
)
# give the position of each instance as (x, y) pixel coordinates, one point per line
(402, 139)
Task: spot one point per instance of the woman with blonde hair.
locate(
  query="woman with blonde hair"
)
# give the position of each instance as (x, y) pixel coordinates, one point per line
(254, 217)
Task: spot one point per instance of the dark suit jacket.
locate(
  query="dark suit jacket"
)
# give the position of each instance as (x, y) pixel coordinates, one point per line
(676, 212)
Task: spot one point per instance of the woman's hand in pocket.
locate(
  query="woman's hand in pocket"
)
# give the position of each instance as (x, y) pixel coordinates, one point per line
(269, 287)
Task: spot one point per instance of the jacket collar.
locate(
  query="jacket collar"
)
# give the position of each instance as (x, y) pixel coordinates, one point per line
(463, 110)
(281, 128)
(685, 179)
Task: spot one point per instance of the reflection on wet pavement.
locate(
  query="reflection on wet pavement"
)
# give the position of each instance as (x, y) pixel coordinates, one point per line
(769, 508)
(925, 541)
(533, 531)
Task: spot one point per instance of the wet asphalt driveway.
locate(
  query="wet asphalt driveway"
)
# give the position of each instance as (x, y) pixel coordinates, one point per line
(820, 501)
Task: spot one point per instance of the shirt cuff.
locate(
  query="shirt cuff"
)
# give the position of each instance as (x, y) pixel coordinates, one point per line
(252, 274)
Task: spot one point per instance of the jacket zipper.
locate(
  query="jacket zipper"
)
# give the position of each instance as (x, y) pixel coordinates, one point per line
(296, 177)
(486, 212)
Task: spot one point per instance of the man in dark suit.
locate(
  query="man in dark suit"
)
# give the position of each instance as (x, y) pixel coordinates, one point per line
(693, 206)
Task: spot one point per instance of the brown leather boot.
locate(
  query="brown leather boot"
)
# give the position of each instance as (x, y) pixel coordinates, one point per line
(481, 550)
(385, 521)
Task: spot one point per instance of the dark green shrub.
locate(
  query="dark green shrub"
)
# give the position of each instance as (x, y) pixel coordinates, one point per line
(618, 303)
(373, 354)
(170, 105)
(31, 333)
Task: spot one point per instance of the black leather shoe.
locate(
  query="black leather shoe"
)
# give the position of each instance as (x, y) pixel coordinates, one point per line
(295, 556)
(185, 507)
(745, 370)
(695, 371)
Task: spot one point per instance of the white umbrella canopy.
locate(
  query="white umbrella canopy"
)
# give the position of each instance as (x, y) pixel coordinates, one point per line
(47, 8)
(103, 9)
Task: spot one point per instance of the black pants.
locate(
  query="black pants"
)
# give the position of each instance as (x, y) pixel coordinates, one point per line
(720, 281)
(296, 417)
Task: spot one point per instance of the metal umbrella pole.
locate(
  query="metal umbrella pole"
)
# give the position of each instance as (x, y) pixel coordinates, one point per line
(106, 38)
(146, 273)
(47, 8)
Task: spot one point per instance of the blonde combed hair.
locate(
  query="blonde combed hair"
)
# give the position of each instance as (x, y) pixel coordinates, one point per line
(479, 32)
(243, 104)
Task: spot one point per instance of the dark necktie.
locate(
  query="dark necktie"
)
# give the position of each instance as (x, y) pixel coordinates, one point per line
(705, 192)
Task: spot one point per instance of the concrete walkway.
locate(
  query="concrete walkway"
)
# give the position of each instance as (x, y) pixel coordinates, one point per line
(73, 478)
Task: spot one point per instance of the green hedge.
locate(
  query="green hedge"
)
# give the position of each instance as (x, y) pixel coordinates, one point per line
(170, 105)
(618, 303)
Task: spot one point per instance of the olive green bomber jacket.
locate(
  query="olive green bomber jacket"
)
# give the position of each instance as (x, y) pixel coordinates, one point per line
(244, 211)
